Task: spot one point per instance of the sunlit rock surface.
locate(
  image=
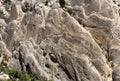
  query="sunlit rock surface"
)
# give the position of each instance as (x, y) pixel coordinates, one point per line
(80, 39)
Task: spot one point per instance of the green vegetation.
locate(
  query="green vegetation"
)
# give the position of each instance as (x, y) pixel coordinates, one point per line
(82, 80)
(16, 74)
(6, 1)
(82, 21)
(70, 11)
(46, 2)
(52, 72)
(62, 3)
(1, 11)
(22, 76)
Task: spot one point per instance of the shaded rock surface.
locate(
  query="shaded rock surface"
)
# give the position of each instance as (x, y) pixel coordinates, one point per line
(80, 40)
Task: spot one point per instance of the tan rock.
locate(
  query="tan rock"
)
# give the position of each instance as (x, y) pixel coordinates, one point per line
(53, 36)
(16, 13)
(116, 74)
(56, 5)
(4, 76)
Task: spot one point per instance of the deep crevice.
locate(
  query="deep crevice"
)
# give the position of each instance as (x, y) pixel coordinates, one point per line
(28, 69)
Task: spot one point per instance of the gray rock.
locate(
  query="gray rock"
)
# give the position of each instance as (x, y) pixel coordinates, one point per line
(116, 74)
(79, 41)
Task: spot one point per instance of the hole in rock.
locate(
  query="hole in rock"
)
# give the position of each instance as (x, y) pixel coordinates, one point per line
(28, 69)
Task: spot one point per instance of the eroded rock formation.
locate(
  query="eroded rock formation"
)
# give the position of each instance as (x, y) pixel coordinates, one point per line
(81, 39)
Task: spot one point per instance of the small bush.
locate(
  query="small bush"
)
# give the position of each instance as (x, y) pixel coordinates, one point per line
(16, 74)
(52, 72)
(82, 22)
(7, 1)
(62, 3)
(46, 2)
(70, 11)
(1, 11)
(82, 80)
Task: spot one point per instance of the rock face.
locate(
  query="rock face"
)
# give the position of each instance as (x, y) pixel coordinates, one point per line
(79, 41)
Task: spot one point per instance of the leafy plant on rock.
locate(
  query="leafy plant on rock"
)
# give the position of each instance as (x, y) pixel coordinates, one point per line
(21, 76)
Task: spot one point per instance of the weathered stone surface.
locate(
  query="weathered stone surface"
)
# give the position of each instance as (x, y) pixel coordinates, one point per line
(80, 40)
(68, 43)
(116, 74)
(4, 76)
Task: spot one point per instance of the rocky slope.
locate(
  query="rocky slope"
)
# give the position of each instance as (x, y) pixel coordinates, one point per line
(79, 38)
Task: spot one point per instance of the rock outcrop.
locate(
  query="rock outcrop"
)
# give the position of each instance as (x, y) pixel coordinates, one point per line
(80, 40)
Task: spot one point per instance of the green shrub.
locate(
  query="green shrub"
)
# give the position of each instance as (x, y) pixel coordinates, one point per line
(82, 22)
(16, 74)
(52, 72)
(82, 80)
(46, 2)
(1, 11)
(7, 1)
(70, 11)
(62, 3)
